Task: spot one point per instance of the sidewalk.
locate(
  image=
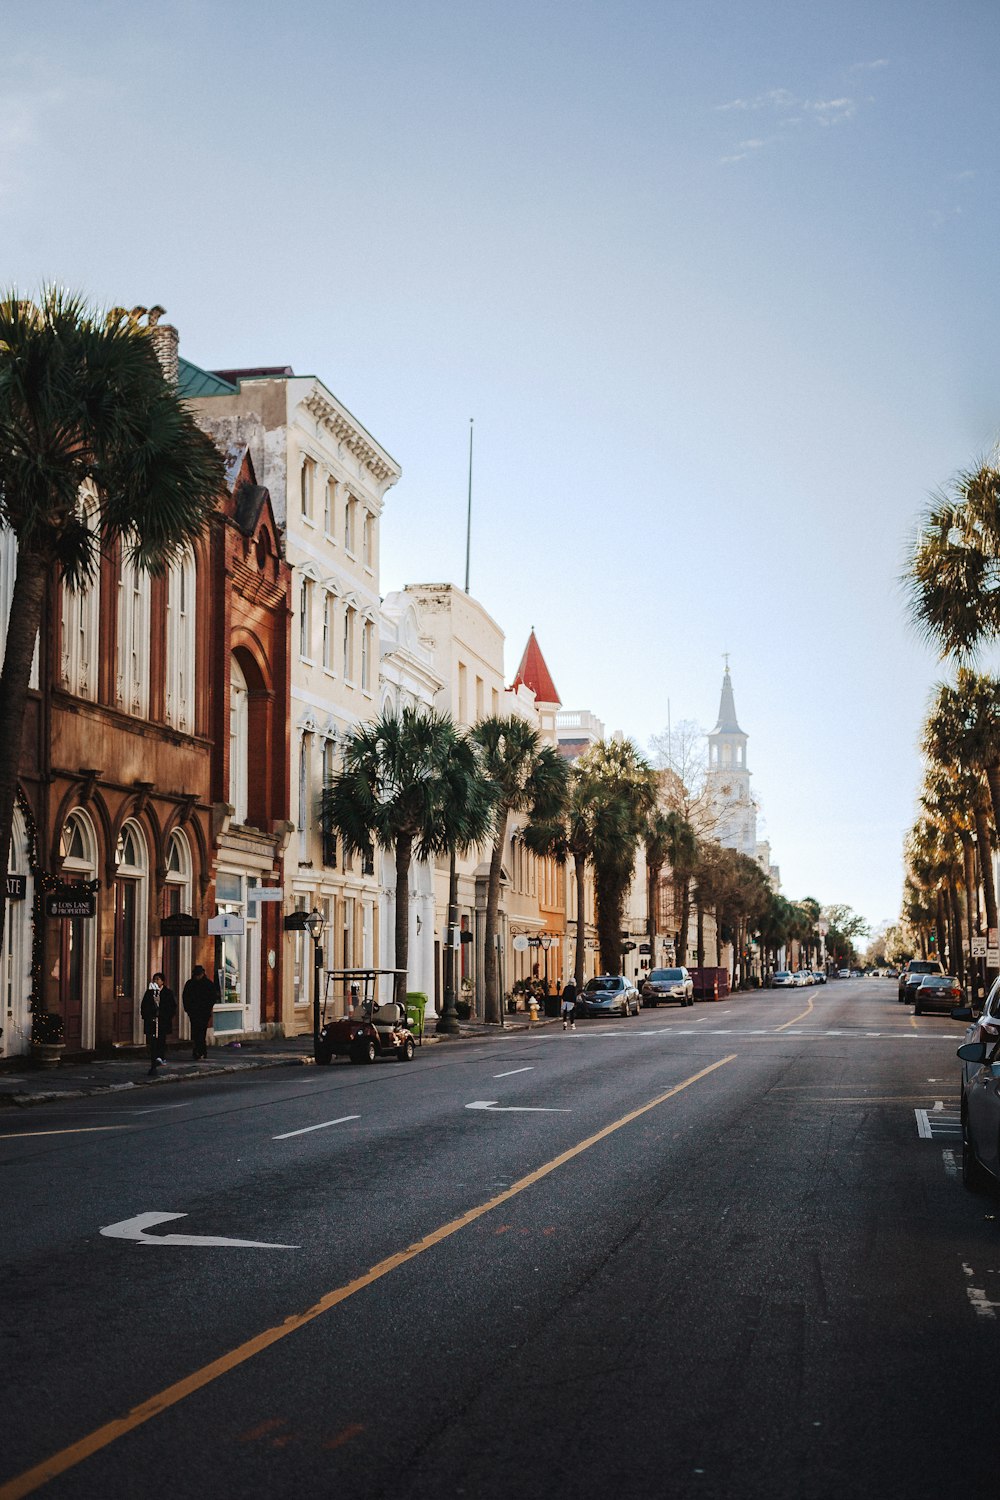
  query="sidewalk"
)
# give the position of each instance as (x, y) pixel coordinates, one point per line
(22, 1085)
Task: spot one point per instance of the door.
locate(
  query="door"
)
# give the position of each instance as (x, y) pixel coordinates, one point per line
(125, 1025)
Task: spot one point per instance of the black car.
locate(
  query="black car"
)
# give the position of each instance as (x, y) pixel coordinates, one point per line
(911, 976)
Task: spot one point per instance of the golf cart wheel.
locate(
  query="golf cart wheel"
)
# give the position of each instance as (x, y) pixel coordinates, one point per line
(369, 1052)
(405, 1052)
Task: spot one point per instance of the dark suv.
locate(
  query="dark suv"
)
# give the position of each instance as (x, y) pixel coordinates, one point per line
(911, 976)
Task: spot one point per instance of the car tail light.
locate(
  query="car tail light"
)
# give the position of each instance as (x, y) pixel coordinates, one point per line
(955, 993)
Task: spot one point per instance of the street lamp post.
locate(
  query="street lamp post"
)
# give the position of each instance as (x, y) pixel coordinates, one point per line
(448, 1019)
(314, 927)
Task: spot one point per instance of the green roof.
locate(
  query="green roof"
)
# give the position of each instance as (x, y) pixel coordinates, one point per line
(193, 381)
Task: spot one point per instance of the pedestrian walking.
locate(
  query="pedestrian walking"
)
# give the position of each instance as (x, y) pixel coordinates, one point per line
(168, 1015)
(149, 1012)
(200, 997)
(568, 1005)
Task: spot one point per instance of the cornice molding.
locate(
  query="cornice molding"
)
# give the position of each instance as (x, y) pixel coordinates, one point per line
(337, 422)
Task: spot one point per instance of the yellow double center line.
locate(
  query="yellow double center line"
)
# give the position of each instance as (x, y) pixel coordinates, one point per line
(102, 1437)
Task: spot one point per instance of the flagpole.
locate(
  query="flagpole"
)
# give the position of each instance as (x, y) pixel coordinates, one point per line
(468, 512)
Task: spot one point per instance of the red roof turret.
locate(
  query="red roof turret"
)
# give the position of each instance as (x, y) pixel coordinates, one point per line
(535, 674)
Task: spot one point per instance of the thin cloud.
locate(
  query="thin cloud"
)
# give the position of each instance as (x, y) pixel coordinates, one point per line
(870, 67)
(789, 111)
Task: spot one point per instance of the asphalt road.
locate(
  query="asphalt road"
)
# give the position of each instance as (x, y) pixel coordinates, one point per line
(721, 1252)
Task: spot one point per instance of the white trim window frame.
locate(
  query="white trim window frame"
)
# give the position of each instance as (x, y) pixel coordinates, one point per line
(132, 666)
(305, 606)
(239, 742)
(181, 643)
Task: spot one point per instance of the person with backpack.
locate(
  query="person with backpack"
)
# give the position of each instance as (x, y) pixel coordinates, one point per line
(568, 1005)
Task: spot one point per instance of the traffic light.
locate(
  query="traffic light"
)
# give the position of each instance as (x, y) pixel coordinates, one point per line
(933, 940)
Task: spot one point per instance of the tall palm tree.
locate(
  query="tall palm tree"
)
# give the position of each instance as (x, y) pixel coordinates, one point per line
(83, 398)
(411, 783)
(953, 568)
(570, 836)
(682, 857)
(527, 777)
(962, 735)
(622, 786)
(659, 838)
(947, 806)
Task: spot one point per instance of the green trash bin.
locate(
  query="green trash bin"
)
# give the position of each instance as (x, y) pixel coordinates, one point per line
(416, 1004)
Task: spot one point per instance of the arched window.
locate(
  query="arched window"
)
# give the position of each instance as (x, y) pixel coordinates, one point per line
(175, 959)
(80, 621)
(181, 643)
(305, 820)
(132, 675)
(130, 930)
(78, 938)
(239, 714)
(239, 735)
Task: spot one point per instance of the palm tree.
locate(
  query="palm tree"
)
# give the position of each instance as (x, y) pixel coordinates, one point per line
(83, 398)
(947, 807)
(622, 786)
(962, 734)
(526, 777)
(682, 857)
(951, 575)
(657, 838)
(570, 836)
(412, 784)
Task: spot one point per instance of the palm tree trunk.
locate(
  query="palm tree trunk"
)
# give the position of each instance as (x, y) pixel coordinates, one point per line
(682, 942)
(718, 941)
(652, 881)
(969, 869)
(956, 922)
(700, 955)
(993, 782)
(492, 909)
(580, 870)
(985, 845)
(940, 925)
(27, 601)
(404, 853)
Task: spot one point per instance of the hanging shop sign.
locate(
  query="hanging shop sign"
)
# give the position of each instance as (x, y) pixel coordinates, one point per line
(69, 901)
(226, 925)
(17, 887)
(179, 924)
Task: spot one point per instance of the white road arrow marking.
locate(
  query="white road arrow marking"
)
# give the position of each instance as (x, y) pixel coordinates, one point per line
(514, 1109)
(135, 1229)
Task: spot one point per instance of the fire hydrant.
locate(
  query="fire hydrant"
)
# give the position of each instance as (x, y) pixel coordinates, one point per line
(532, 1011)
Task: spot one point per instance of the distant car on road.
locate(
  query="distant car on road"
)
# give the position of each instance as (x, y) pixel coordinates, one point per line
(819, 975)
(668, 984)
(913, 974)
(609, 995)
(936, 992)
(783, 980)
(843, 973)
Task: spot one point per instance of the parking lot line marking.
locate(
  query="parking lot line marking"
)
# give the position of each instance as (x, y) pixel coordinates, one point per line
(808, 1011)
(306, 1129)
(75, 1453)
(513, 1071)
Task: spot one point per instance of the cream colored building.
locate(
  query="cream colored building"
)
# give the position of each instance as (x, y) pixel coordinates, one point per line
(328, 478)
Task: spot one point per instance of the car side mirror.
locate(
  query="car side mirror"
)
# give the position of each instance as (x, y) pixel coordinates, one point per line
(972, 1052)
(962, 1013)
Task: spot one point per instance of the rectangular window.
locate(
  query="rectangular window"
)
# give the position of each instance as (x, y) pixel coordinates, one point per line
(349, 614)
(300, 980)
(349, 506)
(329, 501)
(306, 487)
(305, 618)
(329, 771)
(480, 697)
(496, 702)
(463, 694)
(348, 948)
(329, 615)
(366, 539)
(365, 655)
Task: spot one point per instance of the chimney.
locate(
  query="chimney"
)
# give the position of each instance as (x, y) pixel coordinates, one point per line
(165, 340)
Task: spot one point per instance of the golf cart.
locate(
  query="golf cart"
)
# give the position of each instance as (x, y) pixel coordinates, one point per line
(353, 1024)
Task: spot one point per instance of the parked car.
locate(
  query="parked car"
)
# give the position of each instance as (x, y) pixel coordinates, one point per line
(819, 975)
(984, 1028)
(911, 976)
(668, 984)
(936, 992)
(783, 980)
(981, 1110)
(843, 973)
(609, 995)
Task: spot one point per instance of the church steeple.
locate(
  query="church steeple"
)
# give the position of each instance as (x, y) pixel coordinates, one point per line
(727, 722)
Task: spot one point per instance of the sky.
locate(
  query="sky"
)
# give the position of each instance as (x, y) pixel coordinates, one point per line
(715, 281)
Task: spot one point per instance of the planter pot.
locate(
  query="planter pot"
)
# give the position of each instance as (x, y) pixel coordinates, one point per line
(46, 1054)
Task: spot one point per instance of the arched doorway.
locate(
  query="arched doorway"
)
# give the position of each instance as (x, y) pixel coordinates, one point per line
(77, 956)
(130, 931)
(175, 958)
(15, 962)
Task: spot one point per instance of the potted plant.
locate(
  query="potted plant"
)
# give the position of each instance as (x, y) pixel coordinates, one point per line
(47, 1036)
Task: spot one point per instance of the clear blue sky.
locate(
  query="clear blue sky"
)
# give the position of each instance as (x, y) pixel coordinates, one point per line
(716, 281)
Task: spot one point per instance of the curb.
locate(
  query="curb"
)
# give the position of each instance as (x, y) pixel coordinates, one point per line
(25, 1101)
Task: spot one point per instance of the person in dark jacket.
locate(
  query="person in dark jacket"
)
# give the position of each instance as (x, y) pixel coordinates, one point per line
(168, 1014)
(568, 1005)
(149, 1012)
(200, 997)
